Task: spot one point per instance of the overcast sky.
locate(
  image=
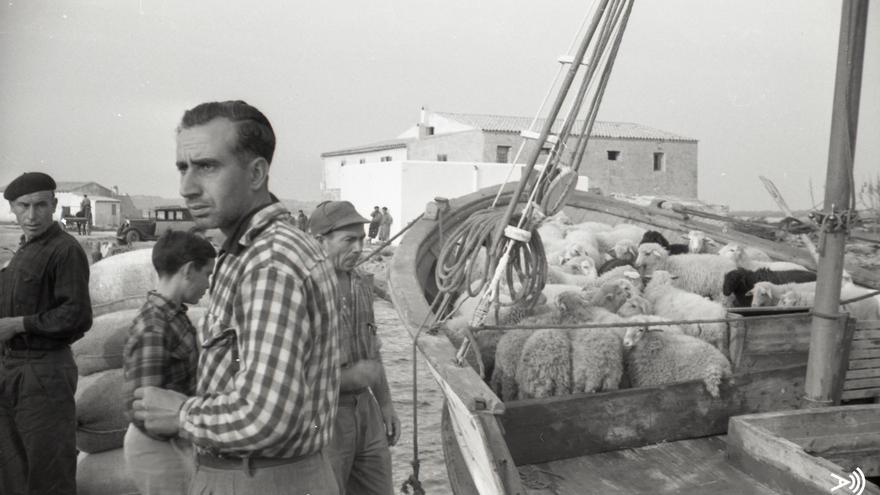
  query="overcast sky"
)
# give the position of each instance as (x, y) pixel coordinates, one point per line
(92, 90)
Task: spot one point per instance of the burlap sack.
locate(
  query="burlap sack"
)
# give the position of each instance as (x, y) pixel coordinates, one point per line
(101, 347)
(122, 276)
(104, 473)
(100, 411)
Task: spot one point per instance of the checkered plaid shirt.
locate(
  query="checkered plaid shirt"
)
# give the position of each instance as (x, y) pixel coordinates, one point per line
(161, 350)
(268, 377)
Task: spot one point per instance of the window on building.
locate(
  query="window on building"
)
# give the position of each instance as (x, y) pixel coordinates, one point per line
(362, 160)
(659, 161)
(342, 163)
(386, 158)
(613, 155)
(502, 154)
(442, 157)
(113, 209)
(544, 152)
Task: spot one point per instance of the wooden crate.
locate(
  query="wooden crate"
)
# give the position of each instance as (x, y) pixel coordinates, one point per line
(863, 373)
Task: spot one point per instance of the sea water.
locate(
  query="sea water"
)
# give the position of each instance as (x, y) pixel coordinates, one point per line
(397, 356)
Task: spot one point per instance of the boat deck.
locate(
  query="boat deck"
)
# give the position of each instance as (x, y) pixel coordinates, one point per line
(697, 466)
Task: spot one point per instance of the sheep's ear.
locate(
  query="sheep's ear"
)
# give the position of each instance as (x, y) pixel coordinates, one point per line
(673, 277)
(750, 292)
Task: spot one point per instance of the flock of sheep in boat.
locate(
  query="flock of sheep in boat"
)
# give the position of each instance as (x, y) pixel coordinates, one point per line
(623, 276)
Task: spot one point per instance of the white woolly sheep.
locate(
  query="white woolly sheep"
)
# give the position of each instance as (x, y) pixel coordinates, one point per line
(544, 368)
(636, 305)
(580, 271)
(701, 274)
(698, 242)
(660, 357)
(624, 250)
(507, 356)
(768, 294)
(740, 257)
(621, 231)
(677, 304)
(753, 253)
(582, 242)
(594, 227)
(634, 333)
(863, 309)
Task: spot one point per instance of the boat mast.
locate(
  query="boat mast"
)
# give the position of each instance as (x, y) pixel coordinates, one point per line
(826, 339)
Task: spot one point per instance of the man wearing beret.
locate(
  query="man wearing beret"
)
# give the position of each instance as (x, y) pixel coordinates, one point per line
(44, 307)
(366, 423)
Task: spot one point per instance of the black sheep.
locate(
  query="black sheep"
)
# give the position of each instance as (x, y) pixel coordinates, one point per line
(657, 237)
(742, 280)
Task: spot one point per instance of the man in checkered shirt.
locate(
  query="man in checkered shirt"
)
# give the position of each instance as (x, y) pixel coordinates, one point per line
(268, 376)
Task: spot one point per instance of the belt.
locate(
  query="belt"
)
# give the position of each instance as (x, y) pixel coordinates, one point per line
(350, 398)
(34, 345)
(247, 464)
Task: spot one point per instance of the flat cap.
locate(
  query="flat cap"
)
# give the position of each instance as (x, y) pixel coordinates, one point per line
(27, 183)
(331, 215)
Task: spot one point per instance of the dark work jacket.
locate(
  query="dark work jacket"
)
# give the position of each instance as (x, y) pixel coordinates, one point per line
(47, 282)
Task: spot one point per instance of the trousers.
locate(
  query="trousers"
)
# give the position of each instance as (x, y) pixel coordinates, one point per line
(359, 449)
(309, 475)
(37, 422)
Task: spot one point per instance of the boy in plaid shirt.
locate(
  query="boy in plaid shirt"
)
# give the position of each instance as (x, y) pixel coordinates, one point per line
(162, 351)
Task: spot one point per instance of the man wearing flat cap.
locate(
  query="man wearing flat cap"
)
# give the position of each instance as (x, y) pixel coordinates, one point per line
(366, 423)
(44, 307)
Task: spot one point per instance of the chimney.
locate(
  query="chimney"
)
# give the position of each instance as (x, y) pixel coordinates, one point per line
(425, 130)
(115, 191)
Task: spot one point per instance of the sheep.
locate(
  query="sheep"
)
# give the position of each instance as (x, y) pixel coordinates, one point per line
(580, 271)
(507, 357)
(623, 250)
(596, 353)
(698, 242)
(740, 257)
(594, 227)
(863, 309)
(544, 367)
(582, 242)
(611, 264)
(768, 293)
(652, 236)
(753, 253)
(625, 272)
(702, 274)
(677, 304)
(740, 281)
(636, 305)
(621, 231)
(658, 357)
(612, 294)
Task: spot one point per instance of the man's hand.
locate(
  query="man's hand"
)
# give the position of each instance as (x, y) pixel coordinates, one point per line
(11, 326)
(158, 409)
(364, 373)
(392, 424)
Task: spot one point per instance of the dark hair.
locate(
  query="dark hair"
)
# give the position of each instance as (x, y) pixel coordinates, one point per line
(255, 134)
(176, 248)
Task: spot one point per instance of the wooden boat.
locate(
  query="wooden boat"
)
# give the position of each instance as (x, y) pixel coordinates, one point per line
(661, 439)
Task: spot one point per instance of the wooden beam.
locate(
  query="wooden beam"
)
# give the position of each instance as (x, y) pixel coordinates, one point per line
(543, 430)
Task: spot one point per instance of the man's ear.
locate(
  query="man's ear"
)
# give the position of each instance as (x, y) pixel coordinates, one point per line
(259, 172)
(188, 269)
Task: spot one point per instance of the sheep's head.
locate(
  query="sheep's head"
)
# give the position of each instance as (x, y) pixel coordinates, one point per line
(612, 294)
(569, 301)
(635, 305)
(624, 250)
(733, 251)
(633, 335)
(650, 255)
(587, 267)
(762, 295)
(735, 282)
(696, 241)
(572, 250)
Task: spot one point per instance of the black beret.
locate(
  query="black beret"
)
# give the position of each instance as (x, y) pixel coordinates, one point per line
(27, 183)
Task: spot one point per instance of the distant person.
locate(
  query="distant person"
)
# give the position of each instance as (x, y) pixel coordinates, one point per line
(375, 221)
(366, 422)
(302, 221)
(385, 225)
(268, 375)
(44, 307)
(85, 206)
(163, 351)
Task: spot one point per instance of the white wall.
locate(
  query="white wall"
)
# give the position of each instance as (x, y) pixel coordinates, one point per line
(406, 187)
(333, 164)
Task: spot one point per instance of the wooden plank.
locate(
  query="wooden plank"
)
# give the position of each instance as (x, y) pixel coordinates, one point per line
(867, 344)
(542, 430)
(686, 467)
(840, 420)
(750, 363)
(864, 334)
(856, 364)
(868, 325)
(865, 383)
(867, 461)
(862, 354)
(860, 394)
(864, 373)
(780, 463)
(852, 442)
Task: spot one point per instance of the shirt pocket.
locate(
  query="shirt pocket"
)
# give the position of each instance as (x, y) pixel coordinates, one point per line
(27, 291)
(220, 349)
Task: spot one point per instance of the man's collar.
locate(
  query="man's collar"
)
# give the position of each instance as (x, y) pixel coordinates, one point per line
(165, 304)
(252, 224)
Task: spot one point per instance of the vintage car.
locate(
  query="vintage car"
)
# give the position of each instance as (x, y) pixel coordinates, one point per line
(164, 218)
